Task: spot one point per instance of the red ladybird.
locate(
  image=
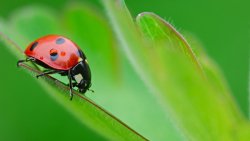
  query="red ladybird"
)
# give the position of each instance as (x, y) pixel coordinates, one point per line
(60, 55)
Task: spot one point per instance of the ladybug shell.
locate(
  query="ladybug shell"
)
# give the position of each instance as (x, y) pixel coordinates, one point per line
(55, 51)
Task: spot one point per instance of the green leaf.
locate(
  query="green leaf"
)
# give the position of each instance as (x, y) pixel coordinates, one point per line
(249, 92)
(200, 112)
(243, 133)
(121, 89)
(88, 112)
(162, 33)
(213, 73)
(123, 25)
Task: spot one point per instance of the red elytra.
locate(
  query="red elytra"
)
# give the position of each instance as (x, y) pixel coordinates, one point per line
(55, 51)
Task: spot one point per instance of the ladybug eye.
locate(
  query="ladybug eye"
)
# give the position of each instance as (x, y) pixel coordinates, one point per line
(53, 54)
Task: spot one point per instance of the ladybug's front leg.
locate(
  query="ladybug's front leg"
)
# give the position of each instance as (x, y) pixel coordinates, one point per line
(26, 60)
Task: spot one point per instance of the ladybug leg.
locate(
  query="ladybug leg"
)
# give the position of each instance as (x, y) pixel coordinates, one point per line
(49, 72)
(26, 60)
(91, 90)
(70, 85)
(74, 84)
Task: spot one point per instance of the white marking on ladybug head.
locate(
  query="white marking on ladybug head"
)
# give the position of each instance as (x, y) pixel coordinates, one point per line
(78, 78)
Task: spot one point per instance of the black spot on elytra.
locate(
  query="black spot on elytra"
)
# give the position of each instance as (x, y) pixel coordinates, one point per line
(53, 54)
(60, 41)
(33, 46)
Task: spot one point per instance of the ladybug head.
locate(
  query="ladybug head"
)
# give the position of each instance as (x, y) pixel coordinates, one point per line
(81, 74)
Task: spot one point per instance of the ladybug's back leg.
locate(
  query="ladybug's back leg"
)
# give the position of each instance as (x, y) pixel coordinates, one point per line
(50, 72)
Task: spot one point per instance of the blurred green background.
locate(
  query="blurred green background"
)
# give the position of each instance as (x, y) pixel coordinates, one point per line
(222, 26)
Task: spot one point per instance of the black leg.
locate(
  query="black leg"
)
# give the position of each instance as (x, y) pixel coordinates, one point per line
(26, 60)
(74, 84)
(70, 85)
(90, 89)
(49, 72)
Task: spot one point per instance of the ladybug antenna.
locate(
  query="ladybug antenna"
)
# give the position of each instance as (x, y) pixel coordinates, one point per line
(6, 39)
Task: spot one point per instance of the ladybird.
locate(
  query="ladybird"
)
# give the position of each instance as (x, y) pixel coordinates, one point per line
(60, 55)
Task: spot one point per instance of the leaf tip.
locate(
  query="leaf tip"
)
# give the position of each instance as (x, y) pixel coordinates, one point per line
(144, 14)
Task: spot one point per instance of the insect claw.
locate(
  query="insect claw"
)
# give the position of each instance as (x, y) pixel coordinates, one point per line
(19, 62)
(26, 60)
(91, 90)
